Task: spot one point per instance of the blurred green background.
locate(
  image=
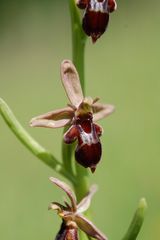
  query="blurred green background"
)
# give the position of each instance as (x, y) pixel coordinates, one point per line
(121, 68)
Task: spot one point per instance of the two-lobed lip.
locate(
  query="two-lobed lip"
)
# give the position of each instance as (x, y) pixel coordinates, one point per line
(96, 16)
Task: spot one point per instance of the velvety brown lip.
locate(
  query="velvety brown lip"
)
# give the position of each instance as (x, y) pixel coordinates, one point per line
(96, 16)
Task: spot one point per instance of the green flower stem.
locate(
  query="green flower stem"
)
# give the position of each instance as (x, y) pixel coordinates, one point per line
(78, 41)
(67, 153)
(137, 221)
(30, 143)
(78, 48)
(78, 51)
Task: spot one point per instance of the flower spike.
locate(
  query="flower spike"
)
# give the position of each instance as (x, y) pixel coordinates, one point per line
(80, 116)
(73, 218)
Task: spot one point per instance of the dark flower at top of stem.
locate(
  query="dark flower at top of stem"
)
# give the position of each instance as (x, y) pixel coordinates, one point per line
(80, 115)
(72, 214)
(96, 16)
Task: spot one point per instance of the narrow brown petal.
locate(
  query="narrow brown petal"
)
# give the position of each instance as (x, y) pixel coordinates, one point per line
(71, 82)
(82, 4)
(65, 187)
(101, 111)
(71, 135)
(54, 119)
(55, 206)
(112, 5)
(88, 227)
(99, 129)
(86, 201)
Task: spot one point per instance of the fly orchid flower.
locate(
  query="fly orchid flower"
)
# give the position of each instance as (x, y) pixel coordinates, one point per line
(96, 16)
(80, 115)
(72, 214)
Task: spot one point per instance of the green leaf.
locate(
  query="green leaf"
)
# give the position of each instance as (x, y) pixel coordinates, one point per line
(137, 221)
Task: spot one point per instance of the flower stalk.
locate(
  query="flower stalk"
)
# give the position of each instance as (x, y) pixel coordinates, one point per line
(78, 52)
(78, 41)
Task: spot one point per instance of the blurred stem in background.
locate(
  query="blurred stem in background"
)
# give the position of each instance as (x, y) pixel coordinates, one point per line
(137, 221)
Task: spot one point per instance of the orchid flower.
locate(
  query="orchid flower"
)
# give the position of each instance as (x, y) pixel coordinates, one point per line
(79, 115)
(72, 214)
(96, 16)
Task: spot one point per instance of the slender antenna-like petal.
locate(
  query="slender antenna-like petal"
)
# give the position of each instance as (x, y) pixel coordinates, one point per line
(86, 201)
(71, 135)
(101, 111)
(53, 119)
(56, 206)
(67, 189)
(82, 4)
(71, 82)
(88, 227)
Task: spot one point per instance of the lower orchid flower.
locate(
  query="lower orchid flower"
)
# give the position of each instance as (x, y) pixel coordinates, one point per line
(72, 214)
(80, 115)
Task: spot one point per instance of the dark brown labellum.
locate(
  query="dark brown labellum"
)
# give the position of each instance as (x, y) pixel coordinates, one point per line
(67, 232)
(96, 17)
(89, 155)
(95, 23)
(89, 150)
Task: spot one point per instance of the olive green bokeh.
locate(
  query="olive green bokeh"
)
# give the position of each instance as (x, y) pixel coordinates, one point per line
(121, 68)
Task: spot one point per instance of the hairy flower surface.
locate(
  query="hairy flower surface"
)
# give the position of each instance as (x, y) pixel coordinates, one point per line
(80, 115)
(72, 214)
(96, 16)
